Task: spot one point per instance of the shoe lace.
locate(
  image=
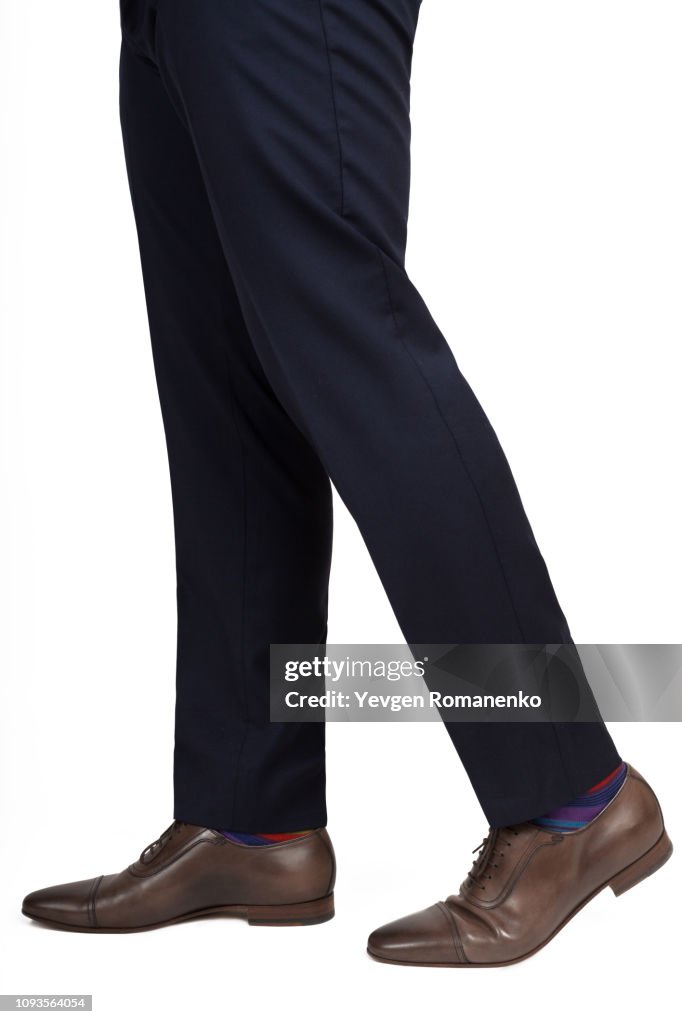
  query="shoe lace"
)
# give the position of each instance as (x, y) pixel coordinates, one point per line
(166, 836)
(490, 852)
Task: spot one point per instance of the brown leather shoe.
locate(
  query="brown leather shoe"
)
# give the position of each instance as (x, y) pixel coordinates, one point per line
(190, 871)
(528, 883)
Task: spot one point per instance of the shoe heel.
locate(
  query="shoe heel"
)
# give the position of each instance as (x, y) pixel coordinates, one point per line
(651, 861)
(315, 912)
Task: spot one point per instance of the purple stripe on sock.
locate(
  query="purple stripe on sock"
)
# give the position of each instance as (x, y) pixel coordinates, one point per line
(584, 808)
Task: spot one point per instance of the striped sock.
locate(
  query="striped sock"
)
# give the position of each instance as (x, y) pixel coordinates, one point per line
(584, 808)
(263, 838)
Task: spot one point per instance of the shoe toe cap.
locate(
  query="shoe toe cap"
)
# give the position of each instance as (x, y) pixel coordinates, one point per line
(70, 904)
(425, 937)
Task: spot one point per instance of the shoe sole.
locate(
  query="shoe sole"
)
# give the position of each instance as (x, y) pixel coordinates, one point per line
(314, 912)
(626, 879)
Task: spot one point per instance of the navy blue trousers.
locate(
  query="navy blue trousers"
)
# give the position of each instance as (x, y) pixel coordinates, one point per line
(268, 152)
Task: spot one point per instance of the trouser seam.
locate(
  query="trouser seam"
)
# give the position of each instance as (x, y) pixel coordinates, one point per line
(242, 643)
(325, 36)
(458, 449)
(245, 536)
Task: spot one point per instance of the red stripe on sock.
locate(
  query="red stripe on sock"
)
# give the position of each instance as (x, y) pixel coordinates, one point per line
(605, 782)
(280, 837)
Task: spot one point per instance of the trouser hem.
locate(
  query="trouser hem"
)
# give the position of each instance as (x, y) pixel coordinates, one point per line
(513, 809)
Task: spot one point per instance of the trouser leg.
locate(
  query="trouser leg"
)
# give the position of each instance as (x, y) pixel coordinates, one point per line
(251, 501)
(299, 114)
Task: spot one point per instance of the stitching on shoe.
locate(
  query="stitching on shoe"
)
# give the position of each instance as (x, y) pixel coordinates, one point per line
(454, 930)
(92, 916)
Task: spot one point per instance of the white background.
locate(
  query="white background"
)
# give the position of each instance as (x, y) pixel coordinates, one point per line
(545, 233)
